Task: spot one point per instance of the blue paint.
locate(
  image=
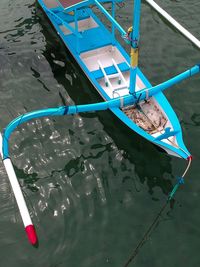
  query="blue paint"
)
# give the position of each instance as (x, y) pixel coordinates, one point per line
(166, 134)
(160, 98)
(136, 24)
(110, 18)
(91, 39)
(113, 105)
(102, 38)
(134, 42)
(60, 111)
(60, 21)
(133, 75)
(76, 30)
(98, 74)
(66, 110)
(113, 26)
(169, 83)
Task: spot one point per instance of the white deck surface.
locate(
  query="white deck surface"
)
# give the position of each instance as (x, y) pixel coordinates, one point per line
(105, 56)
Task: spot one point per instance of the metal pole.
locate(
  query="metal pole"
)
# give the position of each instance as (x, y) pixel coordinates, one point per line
(113, 103)
(113, 26)
(76, 29)
(110, 18)
(134, 45)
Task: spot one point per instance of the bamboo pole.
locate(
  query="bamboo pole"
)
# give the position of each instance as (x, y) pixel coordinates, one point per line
(29, 227)
(173, 22)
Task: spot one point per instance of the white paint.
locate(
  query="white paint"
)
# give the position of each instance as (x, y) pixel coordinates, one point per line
(104, 54)
(16, 189)
(120, 73)
(176, 24)
(104, 74)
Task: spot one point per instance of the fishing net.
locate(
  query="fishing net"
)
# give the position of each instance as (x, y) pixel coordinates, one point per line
(147, 115)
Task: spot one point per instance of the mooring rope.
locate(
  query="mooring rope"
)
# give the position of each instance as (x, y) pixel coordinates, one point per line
(155, 221)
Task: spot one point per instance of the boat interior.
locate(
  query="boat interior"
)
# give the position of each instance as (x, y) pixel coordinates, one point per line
(108, 66)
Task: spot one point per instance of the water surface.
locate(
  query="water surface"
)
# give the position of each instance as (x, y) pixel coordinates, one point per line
(92, 185)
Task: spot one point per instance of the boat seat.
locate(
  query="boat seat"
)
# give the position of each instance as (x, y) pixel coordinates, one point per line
(91, 39)
(98, 74)
(168, 133)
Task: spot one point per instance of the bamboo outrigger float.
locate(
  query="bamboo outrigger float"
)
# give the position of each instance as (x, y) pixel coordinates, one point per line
(115, 75)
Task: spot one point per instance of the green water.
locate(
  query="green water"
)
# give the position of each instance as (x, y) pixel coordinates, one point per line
(92, 186)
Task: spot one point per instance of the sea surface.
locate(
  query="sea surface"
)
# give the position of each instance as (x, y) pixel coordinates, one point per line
(92, 186)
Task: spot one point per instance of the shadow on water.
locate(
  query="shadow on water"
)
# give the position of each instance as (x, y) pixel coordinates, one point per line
(88, 182)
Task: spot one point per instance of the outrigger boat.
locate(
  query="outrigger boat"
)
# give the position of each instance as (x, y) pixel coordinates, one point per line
(115, 75)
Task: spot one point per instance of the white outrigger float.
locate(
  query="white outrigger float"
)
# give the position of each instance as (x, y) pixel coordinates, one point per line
(115, 75)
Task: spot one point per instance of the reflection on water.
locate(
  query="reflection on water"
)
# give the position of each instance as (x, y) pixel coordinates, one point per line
(92, 185)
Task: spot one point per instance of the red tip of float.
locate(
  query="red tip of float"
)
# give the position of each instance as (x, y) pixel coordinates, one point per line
(31, 233)
(190, 157)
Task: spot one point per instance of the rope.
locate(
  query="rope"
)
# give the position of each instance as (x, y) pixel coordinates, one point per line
(157, 127)
(155, 221)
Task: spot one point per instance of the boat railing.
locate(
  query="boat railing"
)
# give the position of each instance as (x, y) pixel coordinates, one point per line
(64, 23)
(110, 18)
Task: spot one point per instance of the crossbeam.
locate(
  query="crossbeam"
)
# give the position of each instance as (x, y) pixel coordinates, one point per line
(64, 23)
(65, 110)
(114, 103)
(110, 18)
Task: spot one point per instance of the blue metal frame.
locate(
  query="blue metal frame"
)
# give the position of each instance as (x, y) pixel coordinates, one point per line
(61, 21)
(110, 18)
(113, 16)
(135, 42)
(162, 101)
(115, 104)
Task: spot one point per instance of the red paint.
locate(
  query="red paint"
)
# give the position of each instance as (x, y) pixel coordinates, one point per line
(31, 233)
(190, 157)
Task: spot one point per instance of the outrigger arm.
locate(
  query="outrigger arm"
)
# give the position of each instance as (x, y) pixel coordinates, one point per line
(66, 110)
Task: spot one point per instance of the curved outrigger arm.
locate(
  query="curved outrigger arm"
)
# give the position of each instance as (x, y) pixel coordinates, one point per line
(65, 110)
(117, 102)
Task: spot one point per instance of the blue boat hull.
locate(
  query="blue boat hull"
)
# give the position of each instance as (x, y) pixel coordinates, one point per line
(99, 37)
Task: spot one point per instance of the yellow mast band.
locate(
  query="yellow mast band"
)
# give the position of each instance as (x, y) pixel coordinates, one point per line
(134, 57)
(130, 29)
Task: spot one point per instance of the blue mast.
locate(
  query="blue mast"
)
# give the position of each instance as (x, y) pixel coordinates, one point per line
(134, 35)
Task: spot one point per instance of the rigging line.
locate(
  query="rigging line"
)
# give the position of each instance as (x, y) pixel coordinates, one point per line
(149, 231)
(146, 235)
